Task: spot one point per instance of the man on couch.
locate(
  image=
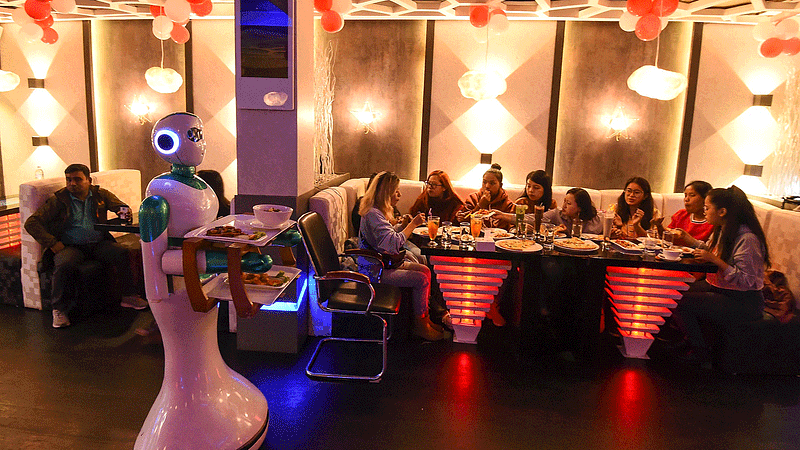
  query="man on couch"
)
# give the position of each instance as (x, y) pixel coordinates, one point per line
(64, 225)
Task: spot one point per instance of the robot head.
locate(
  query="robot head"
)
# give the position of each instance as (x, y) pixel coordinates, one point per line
(178, 139)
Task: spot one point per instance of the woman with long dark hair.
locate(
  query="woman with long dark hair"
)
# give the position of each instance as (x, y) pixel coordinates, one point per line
(577, 205)
(732, 294)
(635, 210)
(377, 233)
(538, 192)
(438, 198)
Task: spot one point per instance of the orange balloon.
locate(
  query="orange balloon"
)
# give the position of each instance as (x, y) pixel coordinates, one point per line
(648, 27)
(771, 48)
(332, 21)
(479, 16)
(47, 22)
(791, 46)
(179, 34)
(663, 8)
(50, 36)
(639, 7)
(323, 5)
(202, 9)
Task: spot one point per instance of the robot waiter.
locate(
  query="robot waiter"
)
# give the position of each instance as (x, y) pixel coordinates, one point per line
(203, 404)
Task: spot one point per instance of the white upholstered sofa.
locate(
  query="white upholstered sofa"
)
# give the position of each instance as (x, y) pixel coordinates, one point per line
(124, 183)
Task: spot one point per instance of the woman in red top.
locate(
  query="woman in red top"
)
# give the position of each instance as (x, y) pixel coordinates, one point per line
(438, 198)
(491, 196)
(692, 219)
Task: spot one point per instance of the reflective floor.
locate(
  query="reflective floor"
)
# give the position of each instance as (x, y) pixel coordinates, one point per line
(90, 387)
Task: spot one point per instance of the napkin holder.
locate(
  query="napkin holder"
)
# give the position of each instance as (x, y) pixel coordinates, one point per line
(484, 244)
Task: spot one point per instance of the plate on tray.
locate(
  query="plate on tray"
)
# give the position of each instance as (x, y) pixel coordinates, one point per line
(575, 245)
(626, 246)
(518, 245)
(241, 222)
(280, 277)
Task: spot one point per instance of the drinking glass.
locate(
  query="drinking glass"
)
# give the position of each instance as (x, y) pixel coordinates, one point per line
(667, 239)
(433, 230)
(466, 237)
(519, 211)
(538, 212)
(475, 224)
(608, 224)
(577, 227)
(549, 233)
(651, 241)
(446, 234)
(455, 234)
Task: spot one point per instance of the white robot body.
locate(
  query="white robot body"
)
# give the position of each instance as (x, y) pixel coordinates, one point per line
(189, 208)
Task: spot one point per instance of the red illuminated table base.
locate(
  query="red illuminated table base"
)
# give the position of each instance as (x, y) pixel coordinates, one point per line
(468, 286)
(640, 299)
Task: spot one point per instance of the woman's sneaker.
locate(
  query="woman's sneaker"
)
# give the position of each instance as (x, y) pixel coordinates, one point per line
(60, 319)
(133, 301)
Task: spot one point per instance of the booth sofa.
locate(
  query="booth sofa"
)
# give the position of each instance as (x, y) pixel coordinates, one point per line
(124, 183)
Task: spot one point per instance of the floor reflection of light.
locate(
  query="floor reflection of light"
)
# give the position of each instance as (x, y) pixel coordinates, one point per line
(631, 407)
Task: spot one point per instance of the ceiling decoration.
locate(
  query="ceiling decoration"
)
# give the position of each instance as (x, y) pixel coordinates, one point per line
(743, 11)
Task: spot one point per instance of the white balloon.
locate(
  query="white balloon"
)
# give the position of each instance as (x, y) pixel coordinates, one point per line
(63, 6)
(342, 6)
(162, 27)
(31, 33)
(480, 34)
(664, 23)
(498, 23)
(787, 28)
(627, 21)
(20, 17)
(763, 31)
(177, 10)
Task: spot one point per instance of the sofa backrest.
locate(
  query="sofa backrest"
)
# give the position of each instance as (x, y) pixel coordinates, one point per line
(124, 183)
(783, 241)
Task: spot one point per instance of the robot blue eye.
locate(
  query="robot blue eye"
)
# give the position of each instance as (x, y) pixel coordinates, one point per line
(195, 134)
(166, 141)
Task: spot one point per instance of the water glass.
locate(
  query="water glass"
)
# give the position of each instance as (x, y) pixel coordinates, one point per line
(577, 227)
(455, 234)
(667, 239)
(651, 241)
(466, 238)
(446, 234)
(549, 233)
(608, 224)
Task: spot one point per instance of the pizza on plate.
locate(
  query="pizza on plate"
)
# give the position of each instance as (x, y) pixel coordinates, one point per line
(515, 244)
(627, 245)
(577, 244)
(501, 234)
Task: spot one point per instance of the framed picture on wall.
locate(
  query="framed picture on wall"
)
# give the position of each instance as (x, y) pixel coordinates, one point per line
(265, 75)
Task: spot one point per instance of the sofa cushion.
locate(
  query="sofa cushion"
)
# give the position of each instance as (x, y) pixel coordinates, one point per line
(783, 241)
(330, 203)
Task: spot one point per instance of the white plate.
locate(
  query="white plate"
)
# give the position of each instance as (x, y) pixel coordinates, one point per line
(290, 275)
(631, 251)
(506, 244)
(661, 257)
(255, 223)
(239, 221)
(559, 243)
(498, 233)
(592, 237)
(423, 231)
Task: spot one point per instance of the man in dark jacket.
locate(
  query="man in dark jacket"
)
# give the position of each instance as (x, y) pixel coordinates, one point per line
(64, 225)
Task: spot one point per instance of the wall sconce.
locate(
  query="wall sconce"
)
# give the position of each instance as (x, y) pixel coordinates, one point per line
(753, 170)
(36, 83)
(141, 109)
(486, 158)
(619, 123)
(39, 141)
(762, 100)
(366, 117)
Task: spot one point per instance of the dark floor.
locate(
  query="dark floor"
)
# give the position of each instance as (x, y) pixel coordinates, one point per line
(90, 386)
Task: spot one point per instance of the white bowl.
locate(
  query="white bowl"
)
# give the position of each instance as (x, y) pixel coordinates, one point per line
(672, 253)
(272, 216)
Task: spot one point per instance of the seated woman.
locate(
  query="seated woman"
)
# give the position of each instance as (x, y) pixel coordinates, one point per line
(492, 196)
(691, 220)
(733, 294)
(438, 198)
(635, 209)
(538, 192)
(377, 233)
(577, 205)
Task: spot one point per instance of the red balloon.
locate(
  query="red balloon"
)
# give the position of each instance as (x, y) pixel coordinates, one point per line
(323, 5)
(771, 48)
(663, 8)
(639, 7)
(156, 11)
(791, 46)
(36, 9)
(50, 36)
(332, 21)
(196, 2)
(202, 9)
(179, 34)
(47, 22)
(648, 27)
(479, 16)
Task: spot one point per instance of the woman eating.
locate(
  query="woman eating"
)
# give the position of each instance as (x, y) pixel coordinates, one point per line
(732, 295)
(491, 196)
(377, 233)
(438, 198)
(635, 210)
(577, 205)
(538, 192)
(691, 220)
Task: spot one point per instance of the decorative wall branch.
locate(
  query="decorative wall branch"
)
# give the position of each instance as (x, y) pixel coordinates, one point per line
(785, 174)
(324, 83)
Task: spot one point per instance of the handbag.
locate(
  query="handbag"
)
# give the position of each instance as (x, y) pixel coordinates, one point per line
(393, 260)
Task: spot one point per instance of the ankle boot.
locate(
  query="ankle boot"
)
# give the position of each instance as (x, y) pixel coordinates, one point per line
(424, 328)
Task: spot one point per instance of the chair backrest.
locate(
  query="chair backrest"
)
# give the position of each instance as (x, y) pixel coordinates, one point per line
(318, 242)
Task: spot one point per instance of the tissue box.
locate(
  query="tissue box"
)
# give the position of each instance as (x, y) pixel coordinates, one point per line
(484, 244)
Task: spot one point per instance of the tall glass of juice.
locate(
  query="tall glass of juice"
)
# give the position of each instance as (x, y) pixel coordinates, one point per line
(475, 224)
(433, 230)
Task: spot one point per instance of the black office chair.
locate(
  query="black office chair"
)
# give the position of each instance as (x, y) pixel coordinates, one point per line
(345, 291)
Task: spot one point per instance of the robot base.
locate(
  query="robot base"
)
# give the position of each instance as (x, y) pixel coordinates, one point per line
(203, 404)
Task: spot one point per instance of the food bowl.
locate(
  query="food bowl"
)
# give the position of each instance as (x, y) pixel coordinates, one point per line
(272, 216)
(671, 253)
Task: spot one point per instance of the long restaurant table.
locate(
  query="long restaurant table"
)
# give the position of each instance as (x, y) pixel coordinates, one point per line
(590, 284)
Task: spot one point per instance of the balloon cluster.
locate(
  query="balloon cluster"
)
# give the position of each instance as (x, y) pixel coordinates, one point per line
(36, 21)
(169, 20)
(484, 16)
(647, 18)
(777, 38)
(332, 12)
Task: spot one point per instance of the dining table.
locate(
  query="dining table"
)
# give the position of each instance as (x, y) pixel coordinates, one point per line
(593, 312)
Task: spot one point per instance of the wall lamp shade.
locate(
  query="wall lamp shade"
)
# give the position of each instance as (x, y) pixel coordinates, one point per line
(163, 80)
(39, 141)
(762, 100)
(36, 83)
(8, 81)
(753, 170)
(652, 82)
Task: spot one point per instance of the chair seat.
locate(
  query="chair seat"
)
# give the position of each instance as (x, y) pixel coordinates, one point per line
(352, 296)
